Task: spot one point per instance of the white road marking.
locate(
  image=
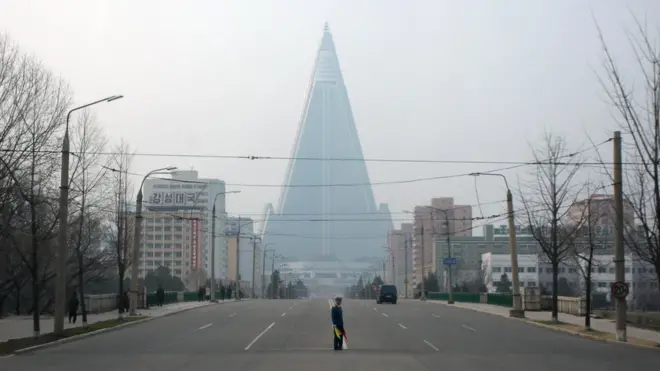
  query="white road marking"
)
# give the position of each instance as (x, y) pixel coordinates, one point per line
(403, 327)
(233, 314)
(283, 314)
(385, 314)
(259, 336)
(431, 345)
(468, 328)
(375, 309)
(205, 326)
(435, 315)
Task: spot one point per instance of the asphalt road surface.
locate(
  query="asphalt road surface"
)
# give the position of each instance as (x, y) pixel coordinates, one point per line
(283, 335)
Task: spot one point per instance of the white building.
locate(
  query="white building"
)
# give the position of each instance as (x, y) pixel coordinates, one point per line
(533, 271)
(186, 191)
(640, 276)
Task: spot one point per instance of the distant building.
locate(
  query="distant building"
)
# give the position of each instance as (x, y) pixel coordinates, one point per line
(174, 240)
(250, 251)
(186, 191)
(601, 210)
(431, 221)
(533, 271)
(400, 249)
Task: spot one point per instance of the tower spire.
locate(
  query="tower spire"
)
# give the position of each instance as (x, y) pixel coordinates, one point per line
(326, 28)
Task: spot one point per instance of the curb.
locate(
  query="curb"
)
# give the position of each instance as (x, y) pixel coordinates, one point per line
(102, 331)
(554, 328)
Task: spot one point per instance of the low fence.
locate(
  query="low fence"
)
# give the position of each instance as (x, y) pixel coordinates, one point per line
(108, 302)
(531, 301)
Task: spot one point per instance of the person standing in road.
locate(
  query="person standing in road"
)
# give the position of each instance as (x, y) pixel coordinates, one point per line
(337, 315)
(73, 308)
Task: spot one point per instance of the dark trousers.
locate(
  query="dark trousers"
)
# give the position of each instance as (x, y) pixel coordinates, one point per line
(72, 317)
(338, 341)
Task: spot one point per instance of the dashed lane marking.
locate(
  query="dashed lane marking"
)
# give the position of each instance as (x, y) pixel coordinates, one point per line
(233, 314)
(206, 326)
(283, 314)
(403, 327)
(431, 345)
(468, 328)
(259, 336)
(385, 314)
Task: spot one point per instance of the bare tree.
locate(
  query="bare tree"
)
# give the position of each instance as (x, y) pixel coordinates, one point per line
(89, 194)
(639, 118)
(587, 242)
(546, 202)
(119, 232)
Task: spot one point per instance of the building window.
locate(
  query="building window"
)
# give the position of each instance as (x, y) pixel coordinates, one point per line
(531, 269)
(497, 269)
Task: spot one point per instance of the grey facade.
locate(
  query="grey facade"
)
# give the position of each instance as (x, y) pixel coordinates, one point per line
(327, 209)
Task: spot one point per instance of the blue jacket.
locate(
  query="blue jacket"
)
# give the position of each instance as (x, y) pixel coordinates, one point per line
(337, 316)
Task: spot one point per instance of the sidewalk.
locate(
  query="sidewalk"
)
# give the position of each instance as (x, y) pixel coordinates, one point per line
(21, 326)
(603, 325)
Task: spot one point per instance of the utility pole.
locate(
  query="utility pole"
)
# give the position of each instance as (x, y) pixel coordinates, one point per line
(263, 273)
(517, 310)
(384, 275)
(619, 258)
(450, 299)
(213, 300)
(405, 252)
(237, 294)
(254, 263)
(422, 295)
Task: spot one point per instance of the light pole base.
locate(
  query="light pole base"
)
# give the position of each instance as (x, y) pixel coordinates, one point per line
(450, 301)
(517, 313)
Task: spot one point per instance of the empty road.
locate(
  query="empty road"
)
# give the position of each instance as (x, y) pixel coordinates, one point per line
(283, 335)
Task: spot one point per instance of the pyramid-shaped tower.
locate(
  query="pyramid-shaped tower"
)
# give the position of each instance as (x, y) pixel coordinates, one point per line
(327, 208)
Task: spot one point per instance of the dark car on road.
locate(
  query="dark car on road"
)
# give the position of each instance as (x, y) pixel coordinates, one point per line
(387, 294)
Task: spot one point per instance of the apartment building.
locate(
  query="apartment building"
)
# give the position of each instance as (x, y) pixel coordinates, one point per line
(399, 255)
(186, 191)
(442, 217)
(173, 240)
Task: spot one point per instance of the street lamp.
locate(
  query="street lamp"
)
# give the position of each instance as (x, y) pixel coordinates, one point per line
(254, 263)
(137, 230)
(517, 310)
(213, 243)
(62, 250)
(263, 270)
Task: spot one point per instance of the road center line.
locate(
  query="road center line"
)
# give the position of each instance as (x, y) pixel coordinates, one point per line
(431, 345)
(403, 327)
(283, 314)
(468, 328)
(259, 336)
(205, 326)
(385, 314)
(233, 314)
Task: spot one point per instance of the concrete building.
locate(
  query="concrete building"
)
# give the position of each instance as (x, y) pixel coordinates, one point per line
(431, 221)
(641, 278)
(468, 251)
(250, 250)
(311, 223)
(533, 271)
(186, 191)
(600, 208)
(174, 240)
(400, 249)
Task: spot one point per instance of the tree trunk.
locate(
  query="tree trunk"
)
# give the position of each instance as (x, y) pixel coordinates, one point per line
(81, 288)
(587, 316)
(555, 289)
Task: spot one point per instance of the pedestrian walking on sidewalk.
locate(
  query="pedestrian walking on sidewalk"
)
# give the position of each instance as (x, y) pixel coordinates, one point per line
(160, 295)
(73, 308)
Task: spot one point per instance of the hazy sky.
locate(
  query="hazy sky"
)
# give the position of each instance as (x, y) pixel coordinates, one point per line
(428, 79)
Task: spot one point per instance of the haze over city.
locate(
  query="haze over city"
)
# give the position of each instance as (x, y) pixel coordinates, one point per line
(246, 176)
